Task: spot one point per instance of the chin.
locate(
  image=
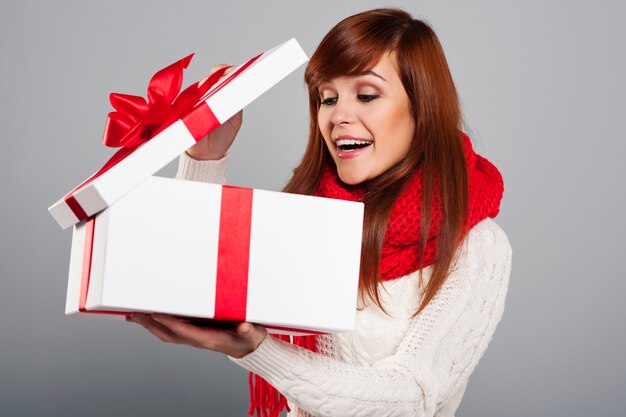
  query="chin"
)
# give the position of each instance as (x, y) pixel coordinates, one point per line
(350, 178)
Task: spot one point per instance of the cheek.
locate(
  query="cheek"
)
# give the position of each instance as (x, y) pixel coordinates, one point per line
(323, 121)
(389, 125)
(393, 130)
(400, 125)
(323, 124)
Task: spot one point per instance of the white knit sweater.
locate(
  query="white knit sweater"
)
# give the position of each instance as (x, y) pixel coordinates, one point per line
(392, 365)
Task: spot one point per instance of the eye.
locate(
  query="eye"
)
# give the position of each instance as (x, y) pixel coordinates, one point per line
(366, 98)
(329, 101)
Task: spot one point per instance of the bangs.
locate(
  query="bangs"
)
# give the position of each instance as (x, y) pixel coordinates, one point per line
(350, 48)
(346, 62)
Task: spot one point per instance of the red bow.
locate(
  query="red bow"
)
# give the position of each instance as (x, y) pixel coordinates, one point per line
(136, 120)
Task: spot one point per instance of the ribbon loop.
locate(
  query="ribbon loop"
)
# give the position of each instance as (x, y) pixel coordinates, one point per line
(137, 120)
(133, 106)
(166, 83)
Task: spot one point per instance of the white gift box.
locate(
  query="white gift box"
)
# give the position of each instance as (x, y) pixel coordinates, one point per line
(191, 249)
(229, 95)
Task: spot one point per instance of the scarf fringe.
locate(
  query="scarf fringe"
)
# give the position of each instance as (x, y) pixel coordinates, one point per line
(265, 400)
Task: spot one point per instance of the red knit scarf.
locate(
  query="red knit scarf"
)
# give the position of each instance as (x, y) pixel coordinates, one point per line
(399, 257)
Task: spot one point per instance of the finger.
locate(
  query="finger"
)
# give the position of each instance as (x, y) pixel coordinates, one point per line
(257, 328)
(251, 332)
(203, 337)
(157, 329)
(213, 70)
(217, 68)
(244, 328)
(238, 115)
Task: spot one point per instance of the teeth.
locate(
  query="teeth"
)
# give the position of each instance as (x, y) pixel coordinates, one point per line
(344, 142)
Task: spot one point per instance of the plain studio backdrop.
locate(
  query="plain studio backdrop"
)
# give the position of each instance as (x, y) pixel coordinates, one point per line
(543, 92)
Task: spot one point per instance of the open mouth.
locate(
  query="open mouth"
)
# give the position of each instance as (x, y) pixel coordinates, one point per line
(352, 144)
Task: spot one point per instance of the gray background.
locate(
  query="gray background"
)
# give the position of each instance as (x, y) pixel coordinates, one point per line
(543, 91)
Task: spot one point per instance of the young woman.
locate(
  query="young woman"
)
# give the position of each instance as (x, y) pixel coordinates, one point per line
(384, 129)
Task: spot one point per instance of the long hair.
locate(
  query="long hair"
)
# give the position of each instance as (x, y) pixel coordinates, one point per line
(354, 45)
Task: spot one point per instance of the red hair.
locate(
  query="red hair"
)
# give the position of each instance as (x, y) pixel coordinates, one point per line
(354, 45)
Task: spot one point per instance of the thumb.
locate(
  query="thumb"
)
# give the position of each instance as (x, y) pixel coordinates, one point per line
(244, 329)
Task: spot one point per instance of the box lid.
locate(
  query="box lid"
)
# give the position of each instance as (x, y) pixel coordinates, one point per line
(148, 144)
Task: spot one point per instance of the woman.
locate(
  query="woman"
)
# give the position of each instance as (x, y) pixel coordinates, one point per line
(384, 129)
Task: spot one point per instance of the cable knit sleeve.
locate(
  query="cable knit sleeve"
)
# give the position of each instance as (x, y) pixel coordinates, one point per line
(434, 359)
(203, 171)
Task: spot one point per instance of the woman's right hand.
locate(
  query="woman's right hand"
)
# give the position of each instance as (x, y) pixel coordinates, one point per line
(214, 145)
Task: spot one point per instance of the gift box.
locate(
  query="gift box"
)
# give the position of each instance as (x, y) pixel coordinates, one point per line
(208, 251)
(154, 132)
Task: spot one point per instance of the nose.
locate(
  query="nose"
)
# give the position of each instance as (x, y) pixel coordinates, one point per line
(342, 113)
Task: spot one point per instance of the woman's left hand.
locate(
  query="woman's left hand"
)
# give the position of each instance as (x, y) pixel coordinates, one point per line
(244, 339)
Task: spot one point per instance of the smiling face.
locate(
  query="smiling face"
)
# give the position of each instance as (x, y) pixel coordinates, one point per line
(366, 121)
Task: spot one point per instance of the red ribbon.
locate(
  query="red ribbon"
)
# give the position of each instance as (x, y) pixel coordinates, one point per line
(90, 226)
(86, 269)
(231, 287)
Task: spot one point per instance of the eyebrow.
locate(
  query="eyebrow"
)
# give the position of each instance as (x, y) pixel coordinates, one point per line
(361, 74)
(369, 72)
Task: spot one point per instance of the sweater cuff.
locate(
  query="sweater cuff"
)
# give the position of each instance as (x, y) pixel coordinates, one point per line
(204, 171)
(274, 360)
